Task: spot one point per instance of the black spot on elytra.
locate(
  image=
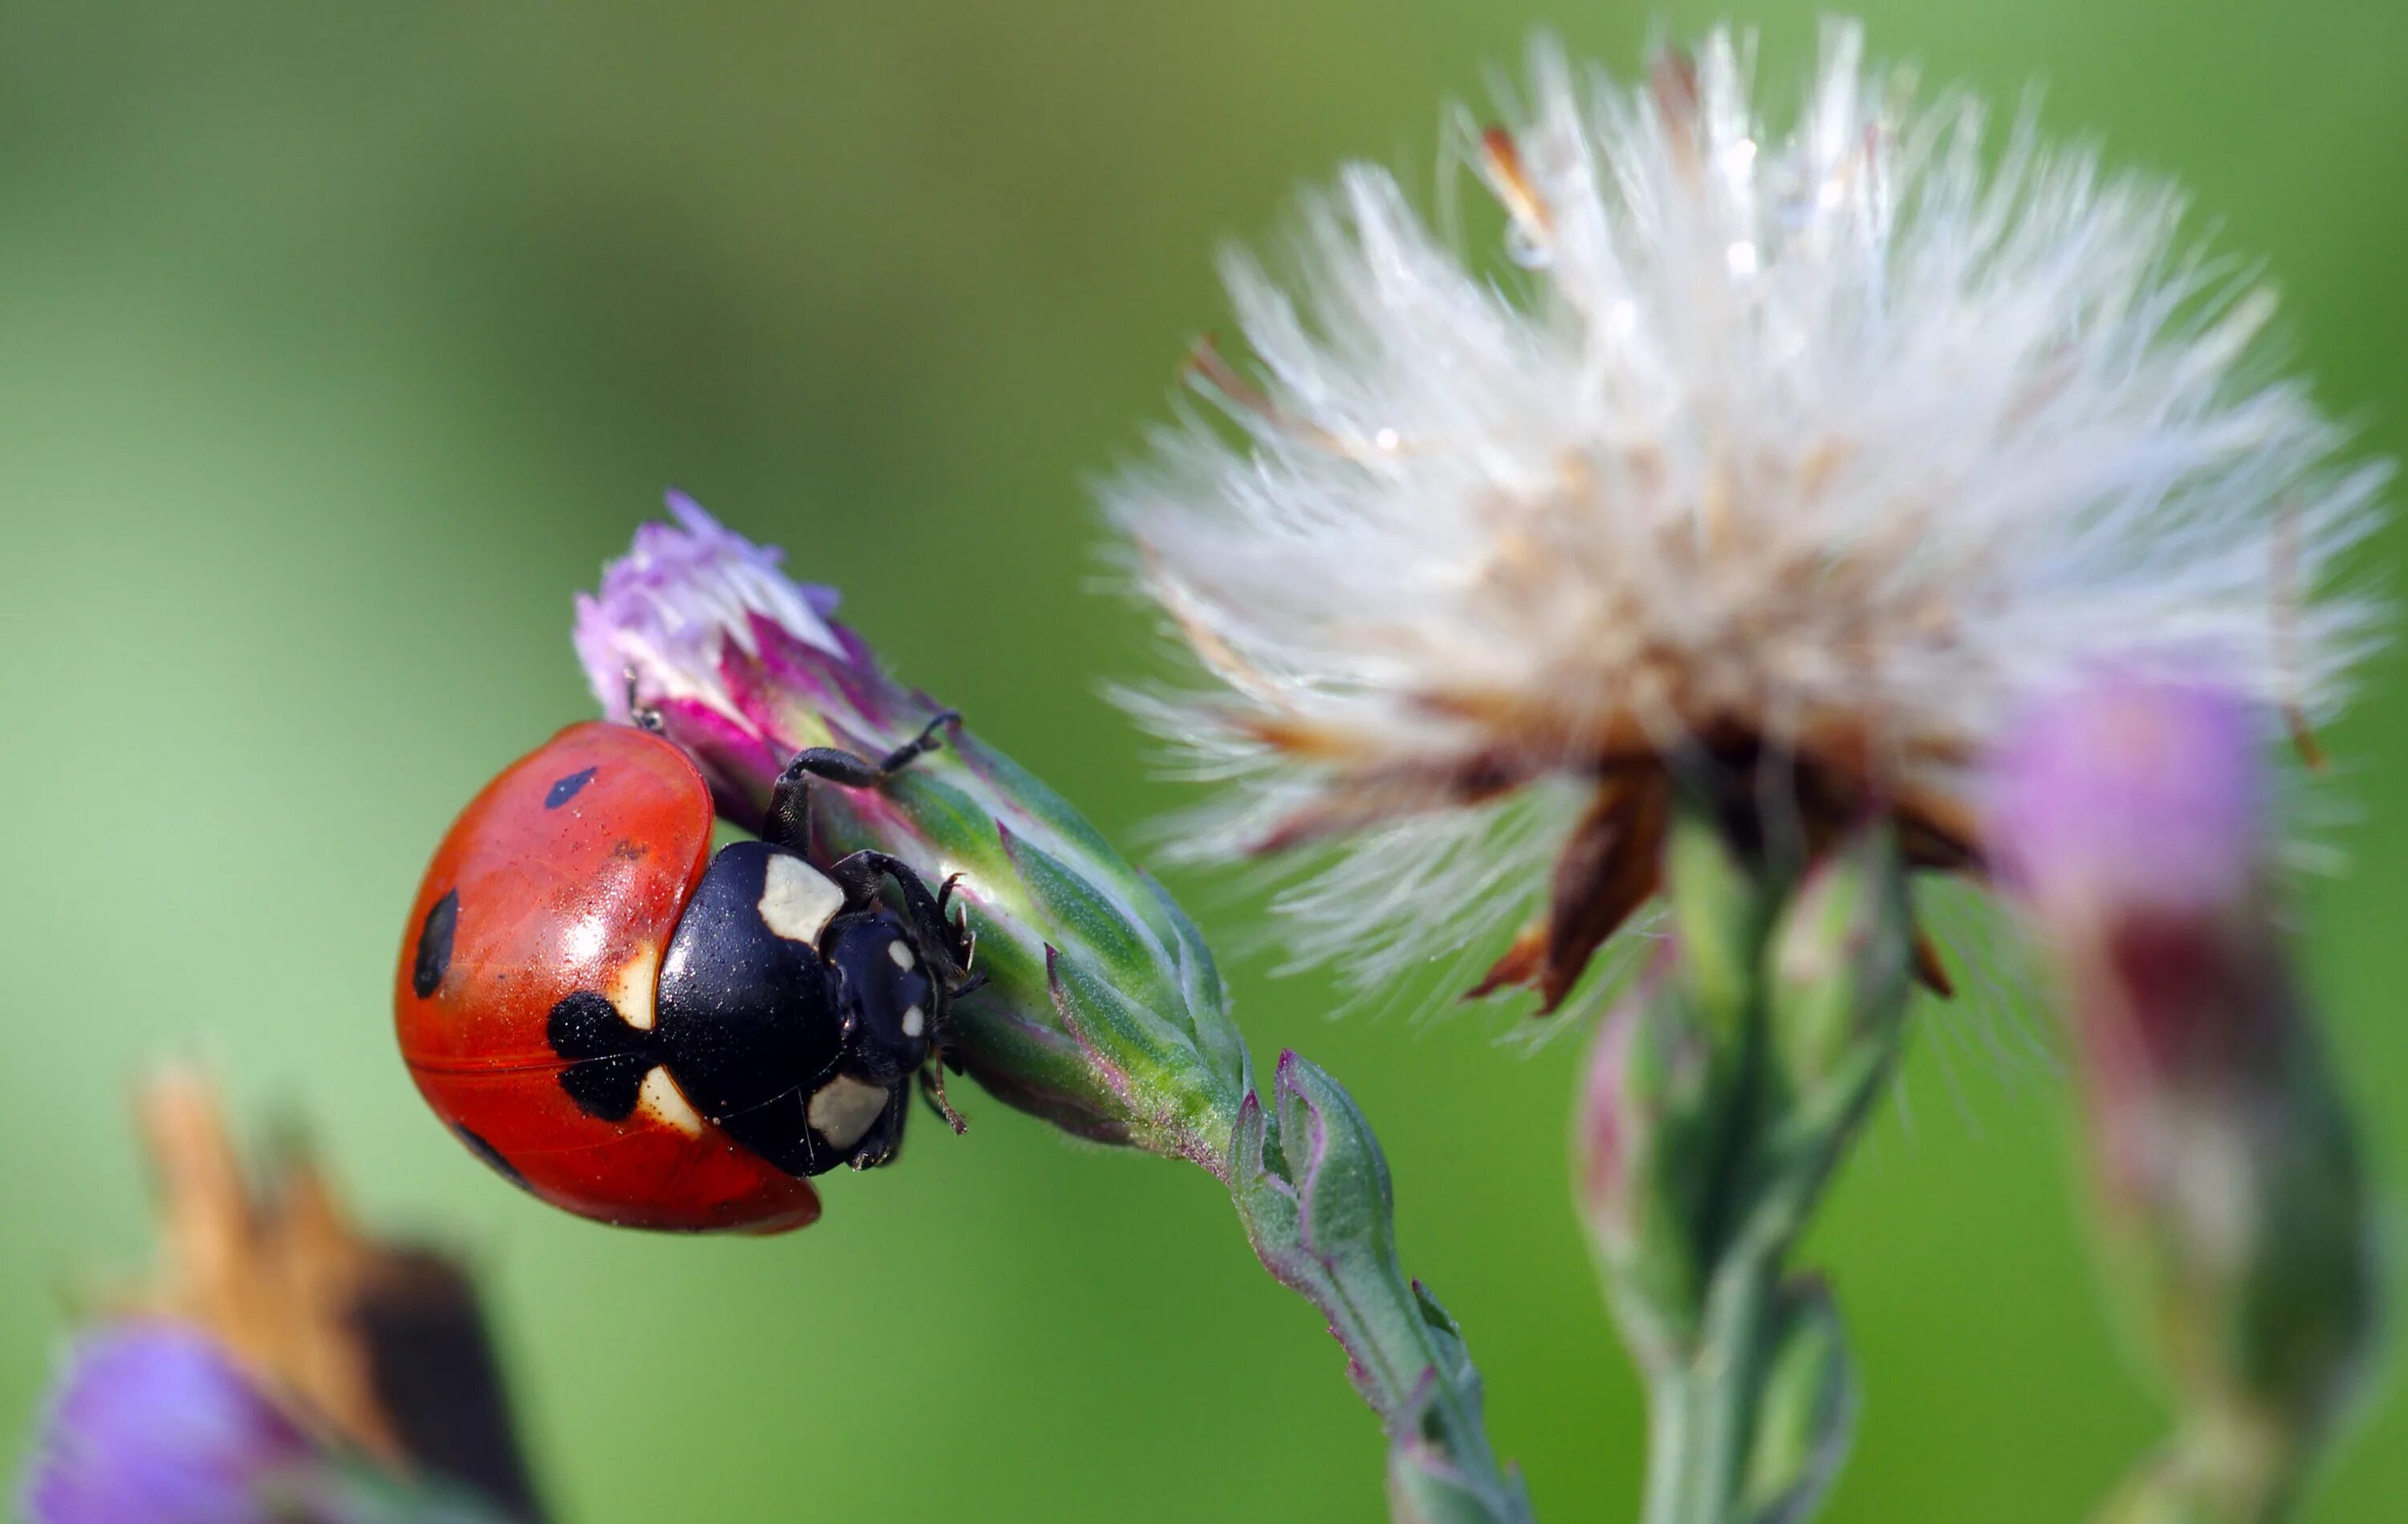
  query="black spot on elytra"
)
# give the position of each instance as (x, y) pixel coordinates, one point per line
(611, 1058)
(435, 945)
(566, 790)
(492, 1156)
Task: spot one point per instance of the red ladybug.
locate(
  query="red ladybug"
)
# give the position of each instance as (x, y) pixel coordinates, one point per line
(643, 1033)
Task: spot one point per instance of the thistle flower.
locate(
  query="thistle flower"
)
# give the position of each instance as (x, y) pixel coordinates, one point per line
(2228, 1173)
(1801, 457)
(1101, 1011)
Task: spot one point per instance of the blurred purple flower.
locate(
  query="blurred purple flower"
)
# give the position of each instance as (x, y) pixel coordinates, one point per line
(2130, 818)
(2133, 820)
(153, 1422)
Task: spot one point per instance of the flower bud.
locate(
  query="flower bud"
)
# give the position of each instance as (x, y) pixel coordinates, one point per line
(1726, 1085)
(1102, 1011)
(1839, 974)
(1645, 1145)
(2130, 819)
(1841, 965)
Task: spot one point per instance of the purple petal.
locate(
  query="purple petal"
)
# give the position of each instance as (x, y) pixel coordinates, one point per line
(682, 595)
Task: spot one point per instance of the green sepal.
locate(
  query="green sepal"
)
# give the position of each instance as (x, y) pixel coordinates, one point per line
(1648, 1240)
(1806, 1413)
(1838, 982)
(1174, 1101)
(1722, 904)
(1841, 968)
(1077, 912)
(1205, 1002)
(1426, 1486)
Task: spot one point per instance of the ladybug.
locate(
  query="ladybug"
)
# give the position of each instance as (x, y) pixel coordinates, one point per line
(645, 1033)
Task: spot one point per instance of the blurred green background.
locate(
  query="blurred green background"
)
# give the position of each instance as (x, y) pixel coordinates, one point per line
(339, 343)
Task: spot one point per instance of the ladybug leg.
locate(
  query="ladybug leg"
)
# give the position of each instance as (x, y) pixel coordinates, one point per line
(860, 876)
(885, 1135)
(932, 1090)
(640, 714)
(965, 940)
(789, 824)
(920, 744)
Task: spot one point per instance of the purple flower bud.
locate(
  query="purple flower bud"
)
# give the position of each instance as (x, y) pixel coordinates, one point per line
(2132, 821)
(1101, 1009)
(152, 1421)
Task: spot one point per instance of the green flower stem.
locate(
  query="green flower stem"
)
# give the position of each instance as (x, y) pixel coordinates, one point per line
(1721, 1102)
(1756, 1425)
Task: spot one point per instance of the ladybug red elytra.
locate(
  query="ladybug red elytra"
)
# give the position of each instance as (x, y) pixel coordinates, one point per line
(643, 1033)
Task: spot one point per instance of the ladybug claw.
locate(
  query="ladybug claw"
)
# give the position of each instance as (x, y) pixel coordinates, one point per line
(640, 714)
(920, 744)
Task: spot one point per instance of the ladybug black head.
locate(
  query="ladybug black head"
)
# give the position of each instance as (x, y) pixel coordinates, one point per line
(889, 997)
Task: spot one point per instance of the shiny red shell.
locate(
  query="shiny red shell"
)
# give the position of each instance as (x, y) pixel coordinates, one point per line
(571, 871)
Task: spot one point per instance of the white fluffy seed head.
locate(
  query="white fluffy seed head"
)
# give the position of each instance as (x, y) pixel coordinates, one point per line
(1857, 431)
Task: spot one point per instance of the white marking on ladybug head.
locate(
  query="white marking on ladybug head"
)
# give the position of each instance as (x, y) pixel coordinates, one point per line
(631, 987)
(843, 1108)
(915, 1021)
(901, 954)
(798, 901)
(661, 1101)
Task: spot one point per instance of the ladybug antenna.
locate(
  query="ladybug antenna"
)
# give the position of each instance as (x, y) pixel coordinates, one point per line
(640, 714)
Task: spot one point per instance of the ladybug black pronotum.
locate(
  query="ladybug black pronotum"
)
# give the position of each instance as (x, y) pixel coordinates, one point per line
(642, 1032)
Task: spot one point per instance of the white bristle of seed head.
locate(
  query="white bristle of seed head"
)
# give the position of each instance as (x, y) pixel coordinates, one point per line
(1854, 415)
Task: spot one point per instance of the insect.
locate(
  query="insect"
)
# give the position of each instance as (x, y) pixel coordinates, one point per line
(642, 1032)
